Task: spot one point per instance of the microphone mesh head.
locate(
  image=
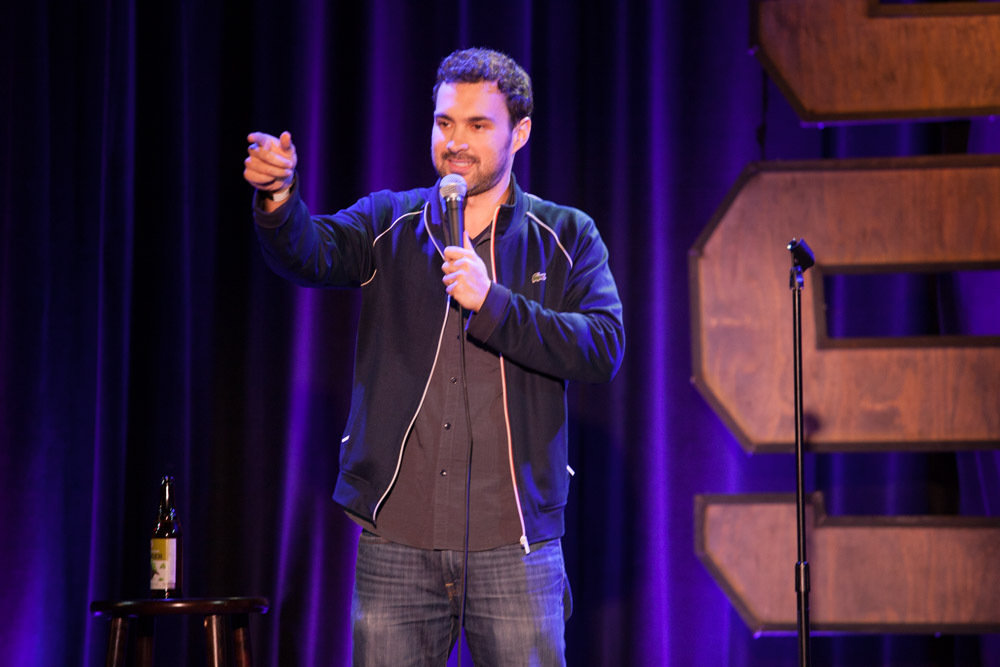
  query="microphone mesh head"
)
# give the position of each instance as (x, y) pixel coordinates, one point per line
(451, 186)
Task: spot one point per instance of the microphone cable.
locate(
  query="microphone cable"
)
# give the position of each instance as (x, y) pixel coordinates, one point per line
(452, 189)
(468, 479)
(468, 467)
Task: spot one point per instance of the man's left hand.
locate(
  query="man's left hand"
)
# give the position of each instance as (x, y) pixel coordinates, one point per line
(465, 276)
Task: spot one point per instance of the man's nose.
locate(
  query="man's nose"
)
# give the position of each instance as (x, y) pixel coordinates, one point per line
(456, 142)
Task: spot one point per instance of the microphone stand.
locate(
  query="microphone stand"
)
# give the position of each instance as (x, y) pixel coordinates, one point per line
(802, 259)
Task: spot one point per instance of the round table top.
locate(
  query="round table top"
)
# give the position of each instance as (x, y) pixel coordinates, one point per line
(161, 606)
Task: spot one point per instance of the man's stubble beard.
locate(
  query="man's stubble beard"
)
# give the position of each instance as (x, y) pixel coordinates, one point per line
(492, 178)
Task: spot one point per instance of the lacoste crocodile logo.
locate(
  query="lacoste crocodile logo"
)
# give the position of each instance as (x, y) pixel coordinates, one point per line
(537, 277)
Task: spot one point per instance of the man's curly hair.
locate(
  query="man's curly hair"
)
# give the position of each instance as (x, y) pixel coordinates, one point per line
(475, 65)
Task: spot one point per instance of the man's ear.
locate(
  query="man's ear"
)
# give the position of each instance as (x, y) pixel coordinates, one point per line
(521, 132)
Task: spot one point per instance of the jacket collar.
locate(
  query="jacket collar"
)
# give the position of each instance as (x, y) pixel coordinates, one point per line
(511, 216)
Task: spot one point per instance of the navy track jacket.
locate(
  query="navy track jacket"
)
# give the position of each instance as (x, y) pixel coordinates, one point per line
(552, 315)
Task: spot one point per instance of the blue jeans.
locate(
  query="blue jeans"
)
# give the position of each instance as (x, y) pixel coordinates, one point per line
(406, 605)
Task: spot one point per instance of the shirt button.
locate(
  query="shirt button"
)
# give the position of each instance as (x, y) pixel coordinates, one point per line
(444, 473)
(453, 380)
(447, 426)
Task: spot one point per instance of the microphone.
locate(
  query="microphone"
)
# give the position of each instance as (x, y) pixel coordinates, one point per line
(452, 191)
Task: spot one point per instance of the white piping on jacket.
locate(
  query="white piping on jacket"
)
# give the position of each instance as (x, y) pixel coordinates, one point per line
(555, 236)
(503, 374)
(506, 408)
(437, 353)
(389, 229)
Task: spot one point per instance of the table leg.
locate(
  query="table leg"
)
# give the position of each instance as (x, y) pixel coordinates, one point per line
(215, 640)
(241, 640)
(117, 642)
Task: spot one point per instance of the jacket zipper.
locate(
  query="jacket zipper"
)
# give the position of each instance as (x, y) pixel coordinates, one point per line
(413, 419)
(506, 412)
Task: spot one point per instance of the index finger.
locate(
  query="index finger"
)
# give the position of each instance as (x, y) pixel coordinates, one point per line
(259, 138)
(453, 252)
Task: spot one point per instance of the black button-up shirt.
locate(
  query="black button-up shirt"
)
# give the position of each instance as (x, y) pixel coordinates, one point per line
(426, 506)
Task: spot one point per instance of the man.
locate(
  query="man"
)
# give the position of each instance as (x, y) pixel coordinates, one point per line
(435, 413)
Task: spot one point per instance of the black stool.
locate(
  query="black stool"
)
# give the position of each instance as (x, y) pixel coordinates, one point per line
(215, 611)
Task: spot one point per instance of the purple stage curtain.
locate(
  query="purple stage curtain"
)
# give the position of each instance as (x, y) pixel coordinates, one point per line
(142, 335)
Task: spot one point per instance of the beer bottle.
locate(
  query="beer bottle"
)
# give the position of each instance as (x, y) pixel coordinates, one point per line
(165, 548)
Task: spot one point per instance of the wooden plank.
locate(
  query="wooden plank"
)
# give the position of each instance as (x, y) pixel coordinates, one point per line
(901, 574)
(857, 59)
(928, 394)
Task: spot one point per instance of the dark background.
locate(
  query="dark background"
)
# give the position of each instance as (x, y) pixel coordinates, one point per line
(141, 334)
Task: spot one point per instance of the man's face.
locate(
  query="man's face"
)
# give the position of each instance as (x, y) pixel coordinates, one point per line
(472, 135)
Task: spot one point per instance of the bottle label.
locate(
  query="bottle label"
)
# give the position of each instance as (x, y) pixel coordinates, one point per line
(163, 561)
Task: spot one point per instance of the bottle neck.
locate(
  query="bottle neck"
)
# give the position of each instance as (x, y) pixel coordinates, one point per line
(167, 495)
(167, 514)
